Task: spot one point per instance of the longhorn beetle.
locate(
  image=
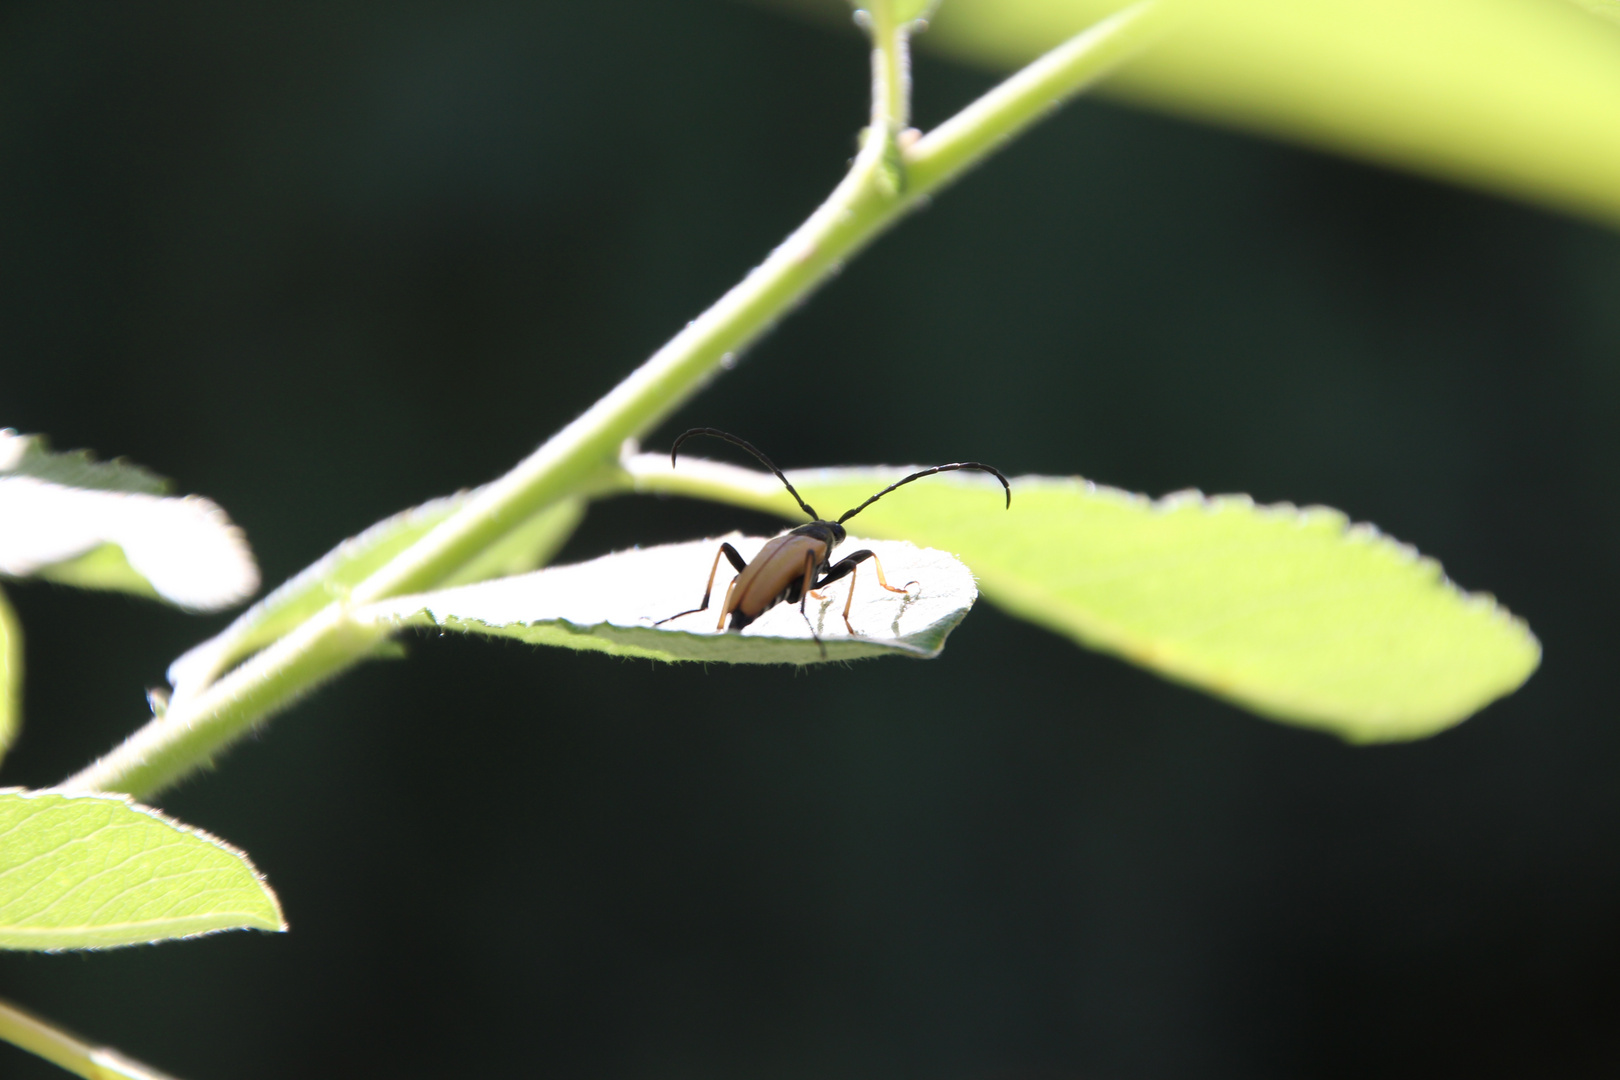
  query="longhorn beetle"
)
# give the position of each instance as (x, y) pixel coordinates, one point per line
(786, 568)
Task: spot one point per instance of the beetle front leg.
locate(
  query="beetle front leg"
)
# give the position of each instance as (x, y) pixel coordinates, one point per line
(737, 561)
(845, 567)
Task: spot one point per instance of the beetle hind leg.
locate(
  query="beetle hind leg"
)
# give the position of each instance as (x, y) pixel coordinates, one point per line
(737, 620)
(807, 590)
(737, 561)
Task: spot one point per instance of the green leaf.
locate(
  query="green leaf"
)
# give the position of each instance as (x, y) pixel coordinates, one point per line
(104, 567)
(356, 559)
(1608, 9)
(1515, 97)
(11, 673)
(97, 525)
(1292, 613)
(96, 871)
(30, 455)
(610, 605)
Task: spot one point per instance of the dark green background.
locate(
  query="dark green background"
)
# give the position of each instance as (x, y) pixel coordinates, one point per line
(322, 261)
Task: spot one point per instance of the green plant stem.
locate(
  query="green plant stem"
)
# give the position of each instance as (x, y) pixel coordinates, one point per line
(578, 457)
(186, 737)
(39, 1037)
(891, 67)
(1028, 95)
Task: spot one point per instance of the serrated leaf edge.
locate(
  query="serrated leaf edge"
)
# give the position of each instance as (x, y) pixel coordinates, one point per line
(1107, 636)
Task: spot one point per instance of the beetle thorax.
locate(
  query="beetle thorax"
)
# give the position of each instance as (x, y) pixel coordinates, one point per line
(829, 533)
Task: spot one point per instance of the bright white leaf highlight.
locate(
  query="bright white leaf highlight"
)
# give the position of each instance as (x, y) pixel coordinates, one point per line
(611, 603)
(94, 871)
(106, 525)
(186, 549)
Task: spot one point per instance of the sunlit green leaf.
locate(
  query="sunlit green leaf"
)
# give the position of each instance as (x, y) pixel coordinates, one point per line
(610, 605)
(1512, 96)
(11, 673)
(104, 567)
(92, 871)
(1292, 613)
(357, 558)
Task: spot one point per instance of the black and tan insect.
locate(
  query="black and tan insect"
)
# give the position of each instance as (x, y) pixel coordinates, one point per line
(791, 567)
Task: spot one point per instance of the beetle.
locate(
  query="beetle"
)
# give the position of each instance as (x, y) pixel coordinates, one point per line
(787, 567)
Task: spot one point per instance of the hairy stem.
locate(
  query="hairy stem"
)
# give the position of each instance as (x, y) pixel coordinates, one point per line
(44, 1039)
(1029, 95)
(863, 205)
(891, 66)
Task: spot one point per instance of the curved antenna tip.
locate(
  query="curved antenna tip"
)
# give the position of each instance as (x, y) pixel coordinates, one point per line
(977, 466)
(752, 449)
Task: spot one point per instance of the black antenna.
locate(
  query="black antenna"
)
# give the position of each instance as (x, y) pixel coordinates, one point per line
(930, 472)
(765, 461)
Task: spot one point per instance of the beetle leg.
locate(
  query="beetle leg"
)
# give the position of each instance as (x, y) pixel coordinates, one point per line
(883, 581)
(850, 599)
(806, 589)
(845, 567)
(725, 605)
(736, 560)
(805, 592)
